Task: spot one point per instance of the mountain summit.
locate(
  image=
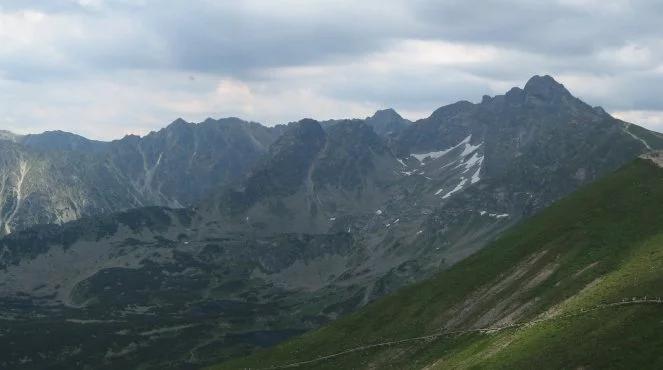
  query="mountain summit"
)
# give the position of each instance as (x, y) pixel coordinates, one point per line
(388, 114)
(538, 84)
(387, 122)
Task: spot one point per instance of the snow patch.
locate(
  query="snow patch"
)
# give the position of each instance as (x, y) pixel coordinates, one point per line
(458, 188)
(434, 155)
(378, 212)
(469, 148)
(474, 159)
(495, 215)
(401, 162)
(636, 137)
(439, 191)
(475, 176)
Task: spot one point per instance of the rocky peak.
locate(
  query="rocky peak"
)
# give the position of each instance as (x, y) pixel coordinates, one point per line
(305, 136)
(177, 126)
(8, 135)
(451, 110)
(386, 114)
(545, 88)
(515, 95)
(62, 141)
(387, 122)
(351, 151)
(179, 121)
(304, 129)
(355, 138)
(287, 162)
(599, 110)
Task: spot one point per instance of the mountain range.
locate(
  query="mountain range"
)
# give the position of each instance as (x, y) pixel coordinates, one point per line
(232, 236)
(576, 286)
(57, 177)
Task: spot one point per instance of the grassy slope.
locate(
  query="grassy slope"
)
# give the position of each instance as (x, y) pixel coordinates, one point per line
(601, 244)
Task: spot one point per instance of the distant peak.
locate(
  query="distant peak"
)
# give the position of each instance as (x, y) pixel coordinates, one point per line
(537, 80)
(545, 87)
(179, 121)
(452, 109)
(388, 113)
(58, 133)
(308, 122)
(306, 126)
(8, 135)
(176, 126)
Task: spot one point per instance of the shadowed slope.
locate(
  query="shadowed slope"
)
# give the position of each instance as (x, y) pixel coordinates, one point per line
(602, 244)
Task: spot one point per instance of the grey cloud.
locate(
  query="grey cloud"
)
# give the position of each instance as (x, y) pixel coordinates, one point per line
(221, 36)
(411, 90)
(549, 27)
(138, 43)
(230, 37)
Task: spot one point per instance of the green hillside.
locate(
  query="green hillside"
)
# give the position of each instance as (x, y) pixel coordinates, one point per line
(561, 271)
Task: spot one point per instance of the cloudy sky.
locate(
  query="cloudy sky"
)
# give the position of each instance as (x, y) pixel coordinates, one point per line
(106, 68)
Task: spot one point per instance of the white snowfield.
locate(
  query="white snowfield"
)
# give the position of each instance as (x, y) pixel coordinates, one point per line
(475, 161)
(458, 188)
(467, 150)
(475, 176)
(432, 155)
(438, 154)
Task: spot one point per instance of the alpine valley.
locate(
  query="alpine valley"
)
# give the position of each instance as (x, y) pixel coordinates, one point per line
(203, 242)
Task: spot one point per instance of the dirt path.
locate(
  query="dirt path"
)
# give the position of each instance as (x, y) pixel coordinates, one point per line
(632, 301)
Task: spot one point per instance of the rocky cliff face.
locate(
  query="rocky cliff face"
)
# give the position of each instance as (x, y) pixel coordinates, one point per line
(56, 177)
(44, 187)
(327, 218)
